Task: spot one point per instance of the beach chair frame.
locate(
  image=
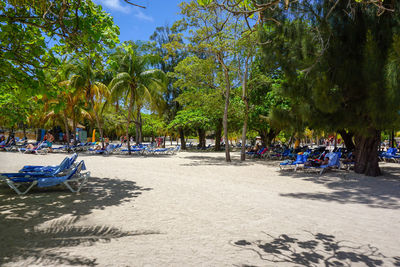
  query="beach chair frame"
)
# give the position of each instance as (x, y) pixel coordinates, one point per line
(75, 176)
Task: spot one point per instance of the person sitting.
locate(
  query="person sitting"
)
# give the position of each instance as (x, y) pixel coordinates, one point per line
(351, 158)
(2, 141)
(10, 141)
(317, 162)
(32, 146)
(254, 149)
(99, 148)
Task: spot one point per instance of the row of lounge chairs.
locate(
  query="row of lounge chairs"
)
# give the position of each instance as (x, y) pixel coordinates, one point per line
(90, 147)
(302, 158)
(143, 150)
(390, 155)
(302, 162)
(68, 173)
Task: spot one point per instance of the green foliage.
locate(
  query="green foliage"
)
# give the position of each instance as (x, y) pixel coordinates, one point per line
(345, 80)
(168, 45)
(15, 108)
(200, 86)
(190, 120)
(26, 28)
(153, 125)
(134, 80)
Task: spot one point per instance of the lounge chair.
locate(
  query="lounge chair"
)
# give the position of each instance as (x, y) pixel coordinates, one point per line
(73, 176)
(140, 150)
(65, 165)
(390, 154)
(176, 149)
(334, 162)
(40, 149)
(68, 160)
(348, 162)
(300, 159)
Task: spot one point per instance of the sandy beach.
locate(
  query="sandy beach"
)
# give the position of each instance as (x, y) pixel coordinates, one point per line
(193, 209)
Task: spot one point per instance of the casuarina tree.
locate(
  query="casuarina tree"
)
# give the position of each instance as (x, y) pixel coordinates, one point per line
(341, 61)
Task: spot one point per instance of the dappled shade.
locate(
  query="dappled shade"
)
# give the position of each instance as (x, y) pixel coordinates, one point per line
(317, 249)
(22, 238)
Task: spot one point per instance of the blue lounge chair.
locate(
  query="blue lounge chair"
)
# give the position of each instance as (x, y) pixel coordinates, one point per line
(110, 149)
(300, 159)
(140, 150)
(73, 176)
(334, 162)
(69, 162)
(390, 154)
(46, 171)
(348, 164)
(40, 149)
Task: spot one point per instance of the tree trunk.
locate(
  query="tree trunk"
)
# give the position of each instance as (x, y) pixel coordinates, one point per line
(139, 116)
(202, 138)
(98, 125)
(392, 141)
(74, 123)
(218, 135)
(163, 146)
(66, 127)
(367, 153)
(24, 130)
(267, 136)
(272, 133)
(182, 137)
(347, 139)
(137, 133)
(225, 119)
(291, 140)
(244, 131)
(129, 121)
(263, 134)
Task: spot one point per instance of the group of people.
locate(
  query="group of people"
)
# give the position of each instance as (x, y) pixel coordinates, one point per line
(324, 160)
(124, 139)
(10, 141)
(47, 141)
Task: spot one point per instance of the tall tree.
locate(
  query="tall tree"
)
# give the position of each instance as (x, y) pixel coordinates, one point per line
(200, 82)
(214, 32)
(85, 79)
(136, 83)
(345, 80)
(168, 44)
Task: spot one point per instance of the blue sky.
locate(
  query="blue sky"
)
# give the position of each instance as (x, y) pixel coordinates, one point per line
(138, 23)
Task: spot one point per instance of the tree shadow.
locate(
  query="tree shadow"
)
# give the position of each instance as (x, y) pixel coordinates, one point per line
(23, 238)
(126, 155)
(317, 250)
(220, 161)
(371, 191)
(391, 171)
(349, 187)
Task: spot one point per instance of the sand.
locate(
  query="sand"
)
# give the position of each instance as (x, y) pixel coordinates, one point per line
(193, 209)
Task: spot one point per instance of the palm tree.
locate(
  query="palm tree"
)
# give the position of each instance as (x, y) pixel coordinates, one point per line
(85, 80)
(139, 86)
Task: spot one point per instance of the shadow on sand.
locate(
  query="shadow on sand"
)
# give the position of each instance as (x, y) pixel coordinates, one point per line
(316, 250)
(352, 188)
(220, 161)
(23, 237)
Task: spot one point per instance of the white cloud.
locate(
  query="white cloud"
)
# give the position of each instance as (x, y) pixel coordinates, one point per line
(116, 5)
(121, 6)
(140, 15)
